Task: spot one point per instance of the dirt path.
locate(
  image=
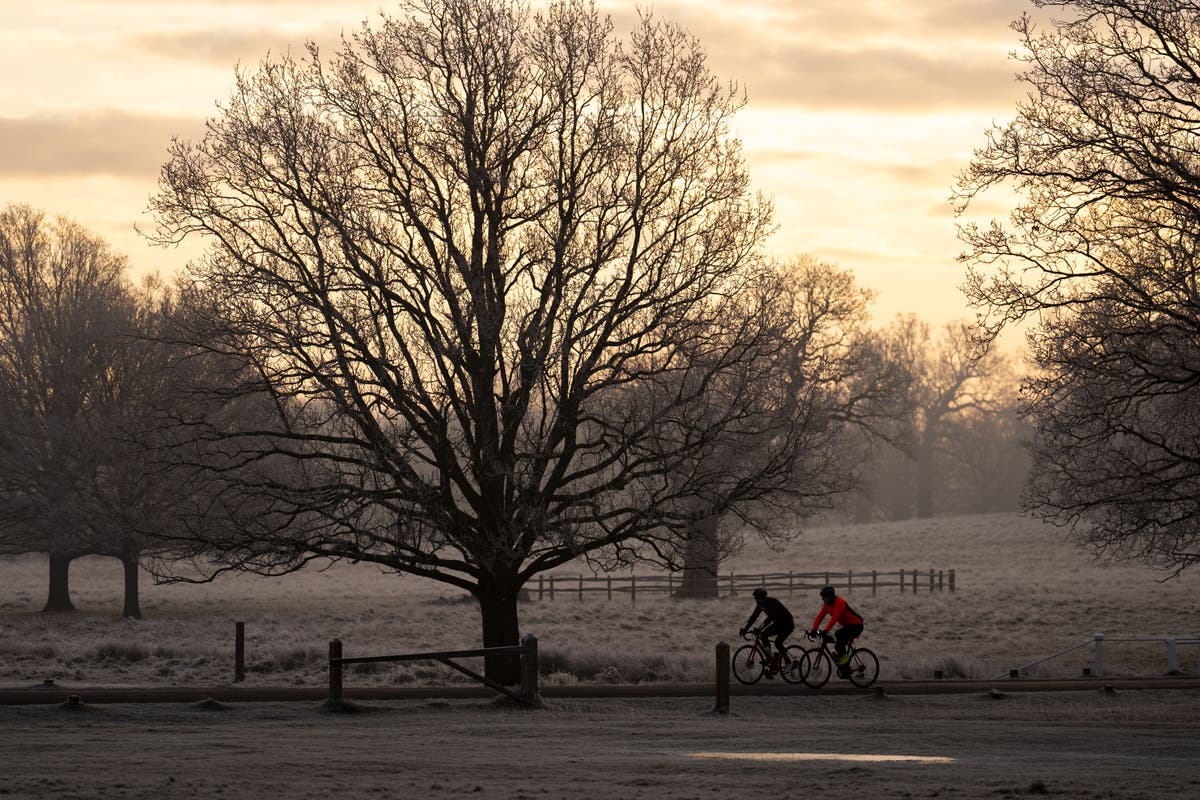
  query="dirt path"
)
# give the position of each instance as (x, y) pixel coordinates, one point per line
(1125, 744)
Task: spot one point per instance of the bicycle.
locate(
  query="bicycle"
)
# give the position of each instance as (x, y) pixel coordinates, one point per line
(752, 661)
(818, 663)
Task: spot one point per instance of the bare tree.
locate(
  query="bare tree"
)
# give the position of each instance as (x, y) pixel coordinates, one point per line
(500, 275)
(1100, 251)
(947, 377)
(832, 384)
(64, 309)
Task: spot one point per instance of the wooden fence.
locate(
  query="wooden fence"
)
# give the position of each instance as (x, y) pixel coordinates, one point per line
(568, 587)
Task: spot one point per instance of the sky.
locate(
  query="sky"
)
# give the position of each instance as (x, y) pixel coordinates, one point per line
(859, 114)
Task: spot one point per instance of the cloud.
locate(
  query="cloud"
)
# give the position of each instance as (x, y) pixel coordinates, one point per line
(109, 142)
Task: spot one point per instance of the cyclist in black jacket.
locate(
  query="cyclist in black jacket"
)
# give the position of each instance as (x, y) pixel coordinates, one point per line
(779, 621)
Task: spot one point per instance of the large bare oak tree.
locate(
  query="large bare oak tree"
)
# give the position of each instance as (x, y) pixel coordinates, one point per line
(500, 274)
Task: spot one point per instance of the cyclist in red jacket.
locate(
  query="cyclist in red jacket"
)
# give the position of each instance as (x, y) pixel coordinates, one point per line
(840, 613)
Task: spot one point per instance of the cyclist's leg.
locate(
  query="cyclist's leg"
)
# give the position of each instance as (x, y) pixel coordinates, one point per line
(843, 636)
(768, 631)
(782, 632)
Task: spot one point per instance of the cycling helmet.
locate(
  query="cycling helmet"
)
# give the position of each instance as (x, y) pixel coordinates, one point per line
(759, 593)
(828, 591)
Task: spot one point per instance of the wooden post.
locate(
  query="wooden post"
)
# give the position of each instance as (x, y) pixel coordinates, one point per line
(941, 580)
(826, 577)
(335, 670)
(732, 584)
(951, 581)
(239, 652)
(1098, 667)
(901, 582)
(670, 585)
(541, 588)
(633, 589)
(722, 704)
(551, 587)
(914, 576)
(931, 580)
(581, 588)
(610, 587)
(791, 584)
(849, 580)
(874, 581)
(529, 669)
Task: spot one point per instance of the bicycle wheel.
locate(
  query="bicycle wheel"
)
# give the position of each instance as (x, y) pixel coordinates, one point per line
(815, 668)
(747, 666)
(863, 667)
(793, 670)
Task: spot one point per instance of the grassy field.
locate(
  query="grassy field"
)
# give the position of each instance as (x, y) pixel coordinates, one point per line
(1023, 593)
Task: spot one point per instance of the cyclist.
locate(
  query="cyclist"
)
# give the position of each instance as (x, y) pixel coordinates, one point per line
(779, 622)
(840, 613)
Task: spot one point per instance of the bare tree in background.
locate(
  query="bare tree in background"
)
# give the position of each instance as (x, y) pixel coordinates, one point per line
(948, 376)
(833, 384)
(1100, 252)
(501, 276)
(64, 314)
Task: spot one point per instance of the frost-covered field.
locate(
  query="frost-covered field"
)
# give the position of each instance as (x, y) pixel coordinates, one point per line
(1023, 593)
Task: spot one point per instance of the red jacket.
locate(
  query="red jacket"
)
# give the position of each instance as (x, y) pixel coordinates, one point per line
(839, 614)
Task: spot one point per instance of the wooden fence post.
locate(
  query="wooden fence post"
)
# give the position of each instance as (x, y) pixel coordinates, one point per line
(633, 590)
(335, 670)
(239, 652)
(901, 583)
(541, 588)
(952, 581)
(849, 580)
(791, 584)
(551, 587)
(914, 577)
(931, 580)
(529, 669)
(874, 581)
(581, 588)
(670, 585)
(826, 577)
(610, 587)
(941, 580)
(722, 704)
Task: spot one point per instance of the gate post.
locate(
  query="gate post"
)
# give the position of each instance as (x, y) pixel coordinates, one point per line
(335, 670)
(722, 705)
(529, 669)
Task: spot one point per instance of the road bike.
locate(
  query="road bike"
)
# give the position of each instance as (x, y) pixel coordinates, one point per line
(817, 664)
(752, 661)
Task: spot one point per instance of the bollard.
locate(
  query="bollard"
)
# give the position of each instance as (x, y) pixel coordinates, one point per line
(335, 670)
(722, 704)
(239, 652)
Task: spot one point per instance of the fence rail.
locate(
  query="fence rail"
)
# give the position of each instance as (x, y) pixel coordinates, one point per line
(554, 587)
(1097, 644)
(527, 694)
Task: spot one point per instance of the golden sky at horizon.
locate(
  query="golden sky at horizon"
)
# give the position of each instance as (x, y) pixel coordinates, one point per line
(859, 116)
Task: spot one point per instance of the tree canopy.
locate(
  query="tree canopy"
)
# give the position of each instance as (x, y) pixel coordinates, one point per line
(1100, 255)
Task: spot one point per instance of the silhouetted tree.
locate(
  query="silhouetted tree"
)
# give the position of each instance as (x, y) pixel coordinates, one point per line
(1100, 253)
(501, 277)
(64, 314)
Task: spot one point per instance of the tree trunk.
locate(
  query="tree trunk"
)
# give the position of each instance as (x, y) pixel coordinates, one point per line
(925, 478)
(133, 609)
(701, 560)
(59, 597)
(498, 609)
